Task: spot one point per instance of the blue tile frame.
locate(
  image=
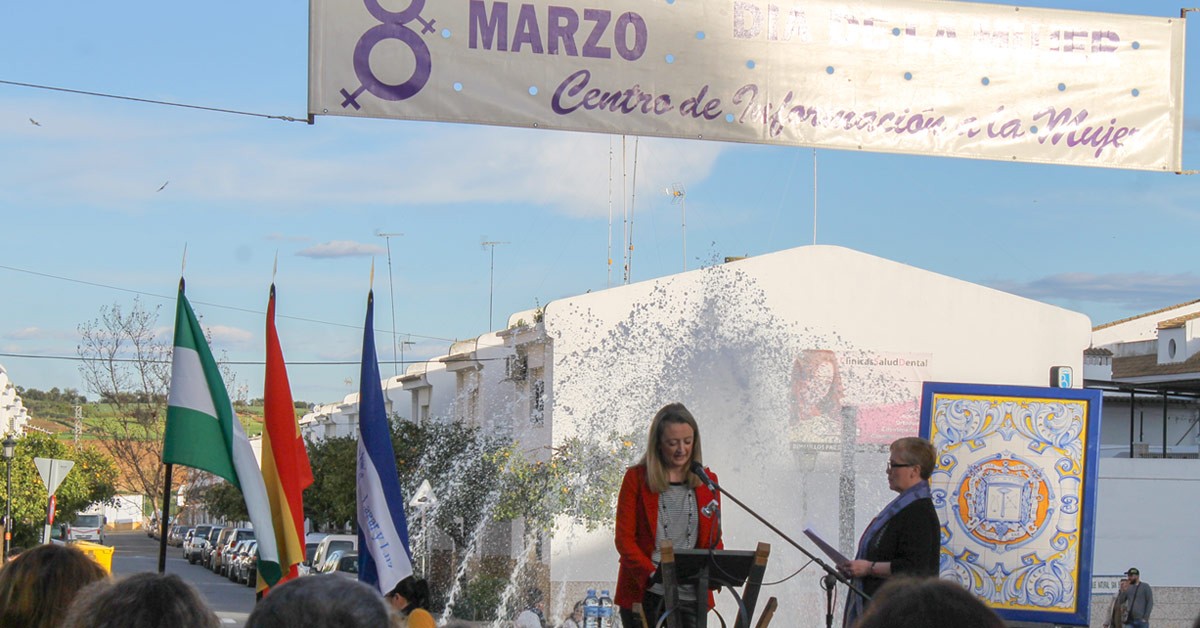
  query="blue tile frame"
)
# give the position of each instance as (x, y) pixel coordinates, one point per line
(1090, 454)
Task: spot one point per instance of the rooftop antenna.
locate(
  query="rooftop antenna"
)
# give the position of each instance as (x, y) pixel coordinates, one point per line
(814, 196)
(625, 212)
(405, 343)
(632, 207)
(610, 208)
(387, 238)
(679, 197)
(485, 243)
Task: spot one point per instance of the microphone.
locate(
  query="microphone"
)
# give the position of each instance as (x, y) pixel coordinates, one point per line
(698, 469)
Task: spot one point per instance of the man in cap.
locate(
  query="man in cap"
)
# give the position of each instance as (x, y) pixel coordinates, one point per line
(1137, 600)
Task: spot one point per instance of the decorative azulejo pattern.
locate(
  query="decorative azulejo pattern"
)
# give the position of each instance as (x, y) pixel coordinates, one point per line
(1014, 471)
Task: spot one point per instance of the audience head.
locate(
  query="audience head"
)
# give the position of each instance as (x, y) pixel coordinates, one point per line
(906, 602)
(38, 586)
(534, 598)
(321, 601)
(408, 594)
(144, 600)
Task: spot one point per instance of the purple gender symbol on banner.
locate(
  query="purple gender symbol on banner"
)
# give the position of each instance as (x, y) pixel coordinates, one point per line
(393, 27)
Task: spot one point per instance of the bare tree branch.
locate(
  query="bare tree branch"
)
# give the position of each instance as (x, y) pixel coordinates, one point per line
(127, 366)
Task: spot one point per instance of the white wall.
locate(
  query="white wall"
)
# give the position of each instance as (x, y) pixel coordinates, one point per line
(1146, 518)
(728, 342)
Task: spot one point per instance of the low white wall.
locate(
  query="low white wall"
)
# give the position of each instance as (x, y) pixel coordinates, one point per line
(1146, 517)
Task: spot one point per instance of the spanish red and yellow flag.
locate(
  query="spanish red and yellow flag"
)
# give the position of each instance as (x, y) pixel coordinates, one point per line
(285, 466)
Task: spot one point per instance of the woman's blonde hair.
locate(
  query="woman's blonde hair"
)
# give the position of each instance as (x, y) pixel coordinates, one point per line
(656, 468)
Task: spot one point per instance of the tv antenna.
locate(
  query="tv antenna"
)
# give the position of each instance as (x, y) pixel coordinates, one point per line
(485, 243)
(387, 238)
(679, 197)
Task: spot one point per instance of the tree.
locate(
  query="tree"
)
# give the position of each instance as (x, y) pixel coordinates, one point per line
(330, 499)
(580, 480)
(460, 463)
(91, 480)
(128, 367)
(224, 501)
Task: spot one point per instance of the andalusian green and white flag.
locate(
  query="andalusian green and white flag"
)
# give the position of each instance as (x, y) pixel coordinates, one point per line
(203, 431)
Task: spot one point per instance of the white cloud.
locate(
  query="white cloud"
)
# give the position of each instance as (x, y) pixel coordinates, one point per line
(26, 333)
(342, 248)
(338, 162)
(1139, 291)
(224, 335)
(280, 237)
(41, 333)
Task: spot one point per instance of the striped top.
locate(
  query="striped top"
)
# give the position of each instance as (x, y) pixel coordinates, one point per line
(677, 522)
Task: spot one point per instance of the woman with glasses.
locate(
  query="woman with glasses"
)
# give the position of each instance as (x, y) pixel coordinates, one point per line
(904, 538)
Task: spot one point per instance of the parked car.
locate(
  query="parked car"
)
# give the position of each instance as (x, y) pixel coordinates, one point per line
(341, 563)
(311, 540)
(210, 546)
(87, 527)
(245, 563)
(225, 542)
(195, 541)
(330, 544)
(175, 536)
(233, 558)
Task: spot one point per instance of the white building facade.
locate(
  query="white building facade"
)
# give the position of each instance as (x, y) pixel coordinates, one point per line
(14, 417)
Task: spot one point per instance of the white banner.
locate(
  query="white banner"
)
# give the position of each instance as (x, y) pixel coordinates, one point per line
(906, 76)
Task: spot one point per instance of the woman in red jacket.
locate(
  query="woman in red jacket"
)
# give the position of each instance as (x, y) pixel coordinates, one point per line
(660, 500)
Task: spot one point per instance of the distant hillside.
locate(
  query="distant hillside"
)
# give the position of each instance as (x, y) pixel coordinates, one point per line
(54, 411)
(57, 415)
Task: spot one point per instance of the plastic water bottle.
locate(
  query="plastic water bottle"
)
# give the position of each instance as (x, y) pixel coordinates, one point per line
(591, 610)
(606, 610)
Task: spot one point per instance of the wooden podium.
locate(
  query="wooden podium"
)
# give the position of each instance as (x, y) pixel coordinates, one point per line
(710, 569)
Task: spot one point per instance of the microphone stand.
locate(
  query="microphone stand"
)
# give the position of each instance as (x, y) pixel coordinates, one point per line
(835, 574)
(828, 583)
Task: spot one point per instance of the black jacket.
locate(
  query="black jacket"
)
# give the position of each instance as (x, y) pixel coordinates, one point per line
(910, 541)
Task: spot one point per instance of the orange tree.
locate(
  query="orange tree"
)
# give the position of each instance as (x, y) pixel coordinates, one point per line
(91, 480)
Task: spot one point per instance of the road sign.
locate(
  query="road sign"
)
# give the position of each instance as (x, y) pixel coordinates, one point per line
(424, 497)
(53, 472)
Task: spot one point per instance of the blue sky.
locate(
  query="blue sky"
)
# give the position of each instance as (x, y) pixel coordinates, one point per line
(85, 224)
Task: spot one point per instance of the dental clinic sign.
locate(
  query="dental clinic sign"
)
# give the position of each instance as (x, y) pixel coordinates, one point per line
(907, 76)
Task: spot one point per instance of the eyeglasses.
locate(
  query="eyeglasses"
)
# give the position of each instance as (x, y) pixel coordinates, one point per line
(897, 465)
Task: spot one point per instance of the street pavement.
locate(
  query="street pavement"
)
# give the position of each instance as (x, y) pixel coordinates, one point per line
(134, 552)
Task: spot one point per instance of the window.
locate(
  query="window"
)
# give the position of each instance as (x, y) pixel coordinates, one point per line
(537, 402)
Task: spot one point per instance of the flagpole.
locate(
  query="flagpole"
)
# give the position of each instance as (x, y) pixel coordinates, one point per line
(162, 540)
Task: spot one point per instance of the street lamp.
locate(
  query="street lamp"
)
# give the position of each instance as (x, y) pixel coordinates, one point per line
(10, 444)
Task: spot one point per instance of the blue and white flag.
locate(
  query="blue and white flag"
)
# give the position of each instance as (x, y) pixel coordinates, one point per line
(384, 558)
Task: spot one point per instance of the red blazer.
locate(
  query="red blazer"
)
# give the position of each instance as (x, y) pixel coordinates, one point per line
(637, 527)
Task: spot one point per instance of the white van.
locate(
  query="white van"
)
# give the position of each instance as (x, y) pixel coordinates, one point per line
(331, 544)
(87, 527)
